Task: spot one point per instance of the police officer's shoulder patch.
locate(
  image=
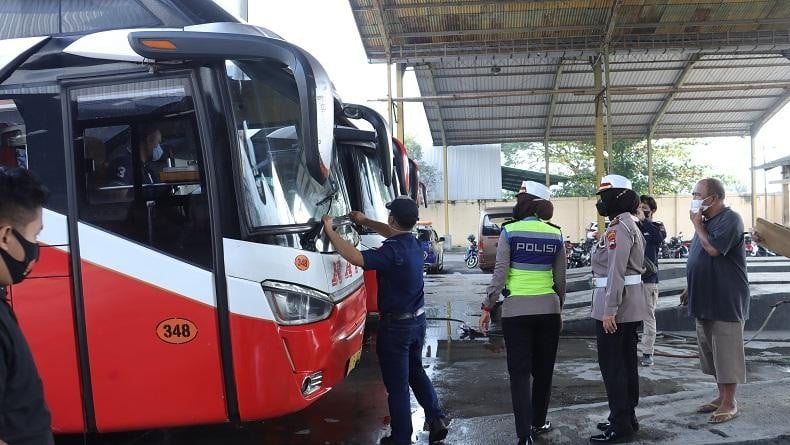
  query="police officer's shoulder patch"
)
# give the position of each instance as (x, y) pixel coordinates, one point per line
(611, 239)
(615, 221)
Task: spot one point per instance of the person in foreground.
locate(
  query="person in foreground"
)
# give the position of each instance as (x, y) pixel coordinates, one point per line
(618, 306)
(531, 264)
(401, 334)
(718, 294)
(24, 416)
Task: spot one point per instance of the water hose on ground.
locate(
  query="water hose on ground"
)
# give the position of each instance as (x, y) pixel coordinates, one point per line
(774, 306)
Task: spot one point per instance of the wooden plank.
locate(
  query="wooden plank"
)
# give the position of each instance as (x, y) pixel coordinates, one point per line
(774, 237)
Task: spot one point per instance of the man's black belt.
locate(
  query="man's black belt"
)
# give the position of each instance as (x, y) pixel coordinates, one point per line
(402, 315)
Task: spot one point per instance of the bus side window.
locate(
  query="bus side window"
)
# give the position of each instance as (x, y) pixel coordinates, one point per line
(13, 144)
(139, 156)
(101, 146)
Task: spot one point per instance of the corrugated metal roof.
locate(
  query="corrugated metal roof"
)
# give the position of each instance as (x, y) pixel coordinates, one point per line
(487, 67)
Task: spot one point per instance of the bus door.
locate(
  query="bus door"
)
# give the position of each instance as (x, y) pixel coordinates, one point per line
(146, 260)
(31, 137)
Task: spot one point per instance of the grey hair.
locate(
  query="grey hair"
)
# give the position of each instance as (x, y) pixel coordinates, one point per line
(714, 187)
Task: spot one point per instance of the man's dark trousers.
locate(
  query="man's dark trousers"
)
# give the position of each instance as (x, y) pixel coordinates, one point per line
(617, 357)
(399, 348)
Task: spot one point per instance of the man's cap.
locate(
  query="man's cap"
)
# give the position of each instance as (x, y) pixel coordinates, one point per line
(404, 208)
(614, 182)
(535, 189)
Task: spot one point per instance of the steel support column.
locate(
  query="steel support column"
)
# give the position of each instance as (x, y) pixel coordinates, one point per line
(753, 143)
(446, 181)
(786, 195)
(546, 156)
(244, 10)
(599, 164)
(389, 95)
(650, 164)
(608, 111)
(399, 112)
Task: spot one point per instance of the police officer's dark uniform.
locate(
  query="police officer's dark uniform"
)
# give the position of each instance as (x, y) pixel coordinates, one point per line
(617, 266)
(401, 334)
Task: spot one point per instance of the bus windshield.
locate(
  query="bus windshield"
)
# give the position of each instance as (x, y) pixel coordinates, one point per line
(375, 195)
(276, 186)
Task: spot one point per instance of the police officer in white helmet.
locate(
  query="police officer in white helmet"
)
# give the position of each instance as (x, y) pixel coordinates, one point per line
(618, 305)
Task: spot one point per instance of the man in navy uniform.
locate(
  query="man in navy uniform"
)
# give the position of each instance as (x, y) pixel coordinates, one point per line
(399, 267)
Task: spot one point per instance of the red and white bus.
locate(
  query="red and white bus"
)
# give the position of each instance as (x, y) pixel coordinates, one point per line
(409, 172)
(371, 179)
(377, 168)
(183, 277)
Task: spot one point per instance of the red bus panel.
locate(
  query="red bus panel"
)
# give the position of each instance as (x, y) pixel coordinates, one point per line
(271, 361)
(372, 289)
(139, 380)
(45, 311)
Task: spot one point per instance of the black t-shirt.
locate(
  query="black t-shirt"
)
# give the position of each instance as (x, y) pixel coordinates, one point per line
(654, 236)
(398, 264)
(24, 417)
(718, 287)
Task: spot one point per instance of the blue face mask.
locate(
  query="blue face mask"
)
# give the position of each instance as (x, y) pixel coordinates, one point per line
(158, 153)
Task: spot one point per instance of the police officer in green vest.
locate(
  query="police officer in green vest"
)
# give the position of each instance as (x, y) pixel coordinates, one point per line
(530, 263)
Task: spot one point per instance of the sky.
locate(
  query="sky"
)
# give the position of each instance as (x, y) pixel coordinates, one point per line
(326, 29)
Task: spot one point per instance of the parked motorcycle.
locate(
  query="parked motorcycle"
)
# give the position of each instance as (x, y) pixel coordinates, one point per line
(762, 251)
(749, 245)
(677, 247)
(664, 251)
(579, 255)
(472, 257)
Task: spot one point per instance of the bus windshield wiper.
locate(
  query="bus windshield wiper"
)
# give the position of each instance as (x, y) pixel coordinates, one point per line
(309, 237)
(330, 196)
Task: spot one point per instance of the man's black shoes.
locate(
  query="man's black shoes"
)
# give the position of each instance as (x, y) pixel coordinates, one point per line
(611, 436)
(387, 440)
(437, 430)
(526, 441)
(539, 430)
(603, 426)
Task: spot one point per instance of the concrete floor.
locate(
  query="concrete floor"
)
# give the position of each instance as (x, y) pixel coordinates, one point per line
(471, 379)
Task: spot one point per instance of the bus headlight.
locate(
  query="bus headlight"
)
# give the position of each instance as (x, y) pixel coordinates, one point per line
(293, 304)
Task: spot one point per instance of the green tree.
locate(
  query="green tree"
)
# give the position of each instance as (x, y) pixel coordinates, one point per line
(429, 175)
(673, 169)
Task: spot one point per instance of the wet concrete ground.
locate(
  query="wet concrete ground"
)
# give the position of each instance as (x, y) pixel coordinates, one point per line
(472, 383)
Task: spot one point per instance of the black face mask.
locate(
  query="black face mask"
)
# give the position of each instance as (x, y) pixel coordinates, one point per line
(601, 207)
(647, 215)
(19, 269)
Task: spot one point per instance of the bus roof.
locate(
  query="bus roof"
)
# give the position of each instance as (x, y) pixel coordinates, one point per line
(20, 18)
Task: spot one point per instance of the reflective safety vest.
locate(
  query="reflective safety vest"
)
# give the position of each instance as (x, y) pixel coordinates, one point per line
(534, 245)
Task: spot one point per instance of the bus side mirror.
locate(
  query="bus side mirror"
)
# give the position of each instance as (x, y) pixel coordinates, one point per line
(383, 136)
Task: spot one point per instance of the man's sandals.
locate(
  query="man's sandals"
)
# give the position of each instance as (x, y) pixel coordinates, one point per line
(724, 416)
(707, 408)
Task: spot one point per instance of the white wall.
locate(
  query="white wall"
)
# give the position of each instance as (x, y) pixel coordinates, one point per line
(475, 171)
